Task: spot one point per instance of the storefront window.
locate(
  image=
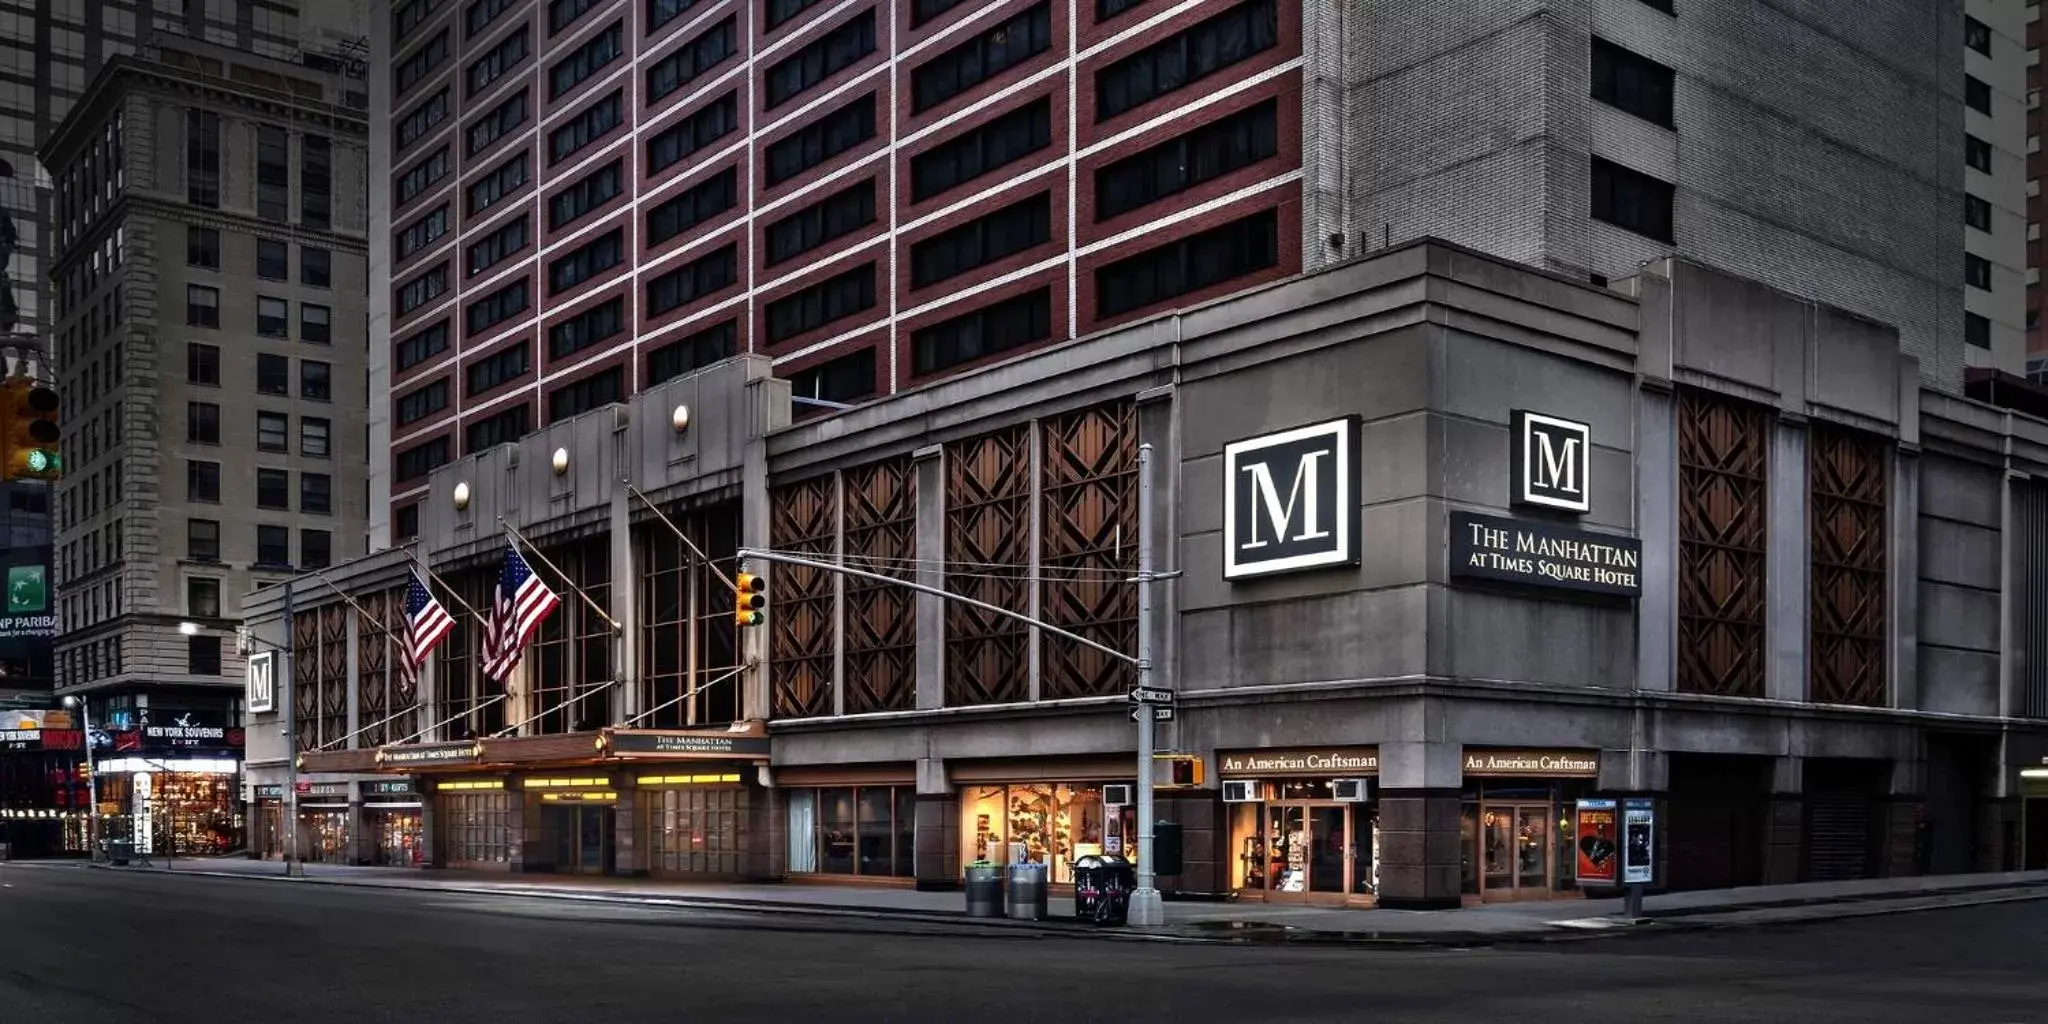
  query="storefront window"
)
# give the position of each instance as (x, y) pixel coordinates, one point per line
(181, 813)
(835, 838)
(845, 830)
(694, 829)
(1042, 823)
(1515, 837)
(395, 837)
(476, 827)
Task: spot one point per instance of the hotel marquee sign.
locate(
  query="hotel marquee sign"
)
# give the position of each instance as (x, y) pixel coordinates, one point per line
(1290, 501)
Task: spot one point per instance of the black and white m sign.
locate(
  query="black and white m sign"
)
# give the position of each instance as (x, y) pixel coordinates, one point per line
(1290, 501)
(1550, 462)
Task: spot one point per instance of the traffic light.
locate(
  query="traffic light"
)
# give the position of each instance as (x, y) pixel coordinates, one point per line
(749, 599)
(30, 437)
(1176, 771)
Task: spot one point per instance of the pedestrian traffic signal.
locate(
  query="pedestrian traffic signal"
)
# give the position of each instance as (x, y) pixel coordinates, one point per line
(30, 436)
(749, 599)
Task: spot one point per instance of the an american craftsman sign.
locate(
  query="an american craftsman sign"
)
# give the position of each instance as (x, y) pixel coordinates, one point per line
(1290, 501)
(1537, 554)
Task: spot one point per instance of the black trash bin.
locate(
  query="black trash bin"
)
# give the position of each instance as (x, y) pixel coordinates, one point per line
(1102, 889)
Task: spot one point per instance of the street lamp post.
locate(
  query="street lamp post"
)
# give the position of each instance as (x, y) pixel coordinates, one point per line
(92, 779)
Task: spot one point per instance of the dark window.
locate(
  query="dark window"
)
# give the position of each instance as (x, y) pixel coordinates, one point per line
(590, 192)
(693, 206)
(1977, 271)
(1977, 94)
(422, 119)
(493, 126)
(421, 233)
(821, 58)
(1176, 165)
(692, 281)
(316, 267)
(981, 58)
(780, 11)
(587, 261)
(1631, 82)
(691, 352)
(202, 248)
(202, 306)
(1976, 331)
(273, 432)
(1107, 9)
(423, 402)
(414, 69)
(202, 655)
(1976, 213)
(425, 345)
(481, 13)
(202, 364)
(592, 392)
(422, 176)
(202, 158)
(832, 217)
(715, 121)
(998, 143)
(1189, 265)
(821, 140)
(712, 47)
(494, 65)
(507, 179)
(273, 259)
(407, 521)
(1632, 200)
(661, 12)
(499, 245)
(425, 288)
(498, 307)
(1976, 35)
(273, 317)
(202, 539)
(273, 174)
(510, 425)
(599, 322)
(563, 13)
(273, 547)
(313, 436)
(834, 298)
(273, 374)
(845, 379)
(1977, 153)
(984, 240)
(585, 128)
(585, 61)
(1187, 57)
(984, 332)
(420, 459)
(316, 380)
(273, 488)
(316, 493)
(410, 15)
(202, 597)
(922, 11)
(316, 549)
(202, 481)
(486, 374)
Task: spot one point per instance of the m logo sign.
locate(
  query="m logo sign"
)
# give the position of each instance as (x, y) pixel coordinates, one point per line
(1550, 462)
(1290, 501)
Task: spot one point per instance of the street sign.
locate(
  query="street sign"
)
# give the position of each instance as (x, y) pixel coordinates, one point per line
(1152, 695)
(1160, 712)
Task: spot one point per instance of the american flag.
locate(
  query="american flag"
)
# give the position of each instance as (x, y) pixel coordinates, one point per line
(521, 602)
(426, 624)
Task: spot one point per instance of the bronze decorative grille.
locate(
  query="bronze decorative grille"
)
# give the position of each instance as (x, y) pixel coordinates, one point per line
(571, 653)
(803, 519)
(333, 672)
(881, 620)
(373, 676)
(1088, 548)
(459, 681)
(988, 496)
(1723, 470)
(1846, 522)
(305, 681)
(686, 615)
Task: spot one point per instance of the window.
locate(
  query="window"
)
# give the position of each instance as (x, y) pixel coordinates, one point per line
(316, 493)
(1189, 265)
(1976, 35)
(272, 430)
(715, 121)
(834, 298)
(273, 545)
(585, 128)
(591, 191)
(490, 372)
(501, 59)
(984, 240)
(1976, 213)
(421, 233)
(202, 655)
(845, 379)
(202, 306)
(313, 437)
(202, 364)
(202, 539)
(422, 176)
(1977, 271)
(315, 324)
(510, 177)
(202, 597)
(691, 352)
(780, 11)
(1977, 94)
(998, 327)
(693, 206)
(410, 15)
(922, 11)
(661, 12)
(563, 13)
(692, 281)
(507, 426)
(1631, 82)
(1977, 153)
(273, 374)
(316, 267)
(587, 328)
(498, 246)
(316, 380)
(407, 521)
(202, 248)
(414, 69)
(480, 14)
(998, 143)
(422, 119)
(273, 318)
(1107, 9)
(423, 346)
(714, 46)
(202, 481)
(586, 60)
(832, 217)
(1176, 165)
(1976, 331)
(273, 259)
(821, 140)
(420, 459)
(273, 489)
(316, 549)
(587, 261)
(425, 288)
(592, 392)
(821, 58)
(1187, 57)
(497, 307)
(493, 126)
(981, 58)
(422, 402)
(1631, 199)
(202, 158)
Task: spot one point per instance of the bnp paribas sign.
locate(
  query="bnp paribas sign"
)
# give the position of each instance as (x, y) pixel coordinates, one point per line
(1290, 500)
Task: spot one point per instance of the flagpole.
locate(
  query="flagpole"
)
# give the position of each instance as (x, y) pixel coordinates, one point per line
(435, 577)
(599, 688)
(360, 610)
(450, 718)
(699, 688)
(519, 538)
(372, 725)
(685, 538)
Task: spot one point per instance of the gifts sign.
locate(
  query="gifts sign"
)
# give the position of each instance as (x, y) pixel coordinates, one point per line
(1599, 843)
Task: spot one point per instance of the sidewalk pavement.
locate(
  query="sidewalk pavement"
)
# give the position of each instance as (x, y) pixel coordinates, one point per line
(1241, 922)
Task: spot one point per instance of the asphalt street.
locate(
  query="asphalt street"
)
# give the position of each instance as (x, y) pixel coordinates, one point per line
(105, 947)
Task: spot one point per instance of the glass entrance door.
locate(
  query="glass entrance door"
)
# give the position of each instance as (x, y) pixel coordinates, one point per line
(583, 838)
(1515, 848)
(1303, 852)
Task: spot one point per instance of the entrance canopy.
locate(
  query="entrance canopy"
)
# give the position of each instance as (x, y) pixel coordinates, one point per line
(605, 746)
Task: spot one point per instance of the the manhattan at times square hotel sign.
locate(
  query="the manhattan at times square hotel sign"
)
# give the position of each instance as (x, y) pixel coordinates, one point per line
(1290, 500)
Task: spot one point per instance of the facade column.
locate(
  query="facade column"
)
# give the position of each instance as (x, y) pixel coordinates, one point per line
(1785, 825)
(1787, 564)
(766, 854)
(1657, 525)
(755, 701)
(1904, 840)
(930, 466)
(937, 859)
(1420, 784)
(628, 860)
(625, 607)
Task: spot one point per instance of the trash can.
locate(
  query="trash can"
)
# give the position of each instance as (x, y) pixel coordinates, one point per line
(1102, 889)
(1025, 898)
(120, 852)
(984, 890)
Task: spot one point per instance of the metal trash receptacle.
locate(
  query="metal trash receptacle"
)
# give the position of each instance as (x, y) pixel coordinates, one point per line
(1102, 889)
(1024, 899)
(984, 891)
(120, 852)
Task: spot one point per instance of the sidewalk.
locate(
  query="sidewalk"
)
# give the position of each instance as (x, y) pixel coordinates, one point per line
(1224, 921)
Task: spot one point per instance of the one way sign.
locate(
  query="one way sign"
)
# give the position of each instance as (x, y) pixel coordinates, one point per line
(1160, 712)
(1152, 695)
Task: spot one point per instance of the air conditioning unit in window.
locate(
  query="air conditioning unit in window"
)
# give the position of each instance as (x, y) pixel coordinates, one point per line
(1240, 791)
(1356, 791)
(1117, 795)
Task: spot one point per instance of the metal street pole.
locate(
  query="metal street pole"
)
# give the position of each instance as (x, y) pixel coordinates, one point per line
(289, 800)
(1148, 909)
(92, 784)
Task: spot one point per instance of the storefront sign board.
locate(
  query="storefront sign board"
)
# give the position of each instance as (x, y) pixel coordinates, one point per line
(1544, 763)
(652, 743)
(429, 754)
(1598, 842)
(1307, 761)
(394, 788)
(1535, 554)
(1639, 841)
